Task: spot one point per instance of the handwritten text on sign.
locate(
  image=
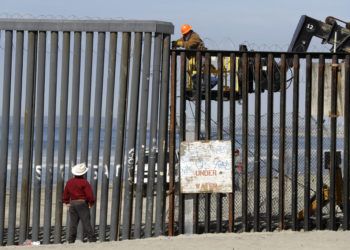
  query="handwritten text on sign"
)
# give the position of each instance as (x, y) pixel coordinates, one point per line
(206, 167)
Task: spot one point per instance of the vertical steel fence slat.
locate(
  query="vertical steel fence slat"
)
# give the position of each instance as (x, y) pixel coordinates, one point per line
(119, 151)
(97, 120)
(282, 143)
(85, 136)
(61, 149)
(197, 127)
(85, 142)
(257, 125)
(39, 126)
(207, 118)
(147, 46)
(152, 158)
(269, 143)
(15, 138)
(333, 147)
(307, 167)
(245, 82)
(51, 115)
(220, 112)
(197, 88)
(74, 114)
(131, 137)
(182, 135)
(319, 173)
(346, 145)
(163, 139)
(87, 97)
(295, 136)
(108, 135)
(233, 93)
(28, 137)
(172, 144)
(5, 128)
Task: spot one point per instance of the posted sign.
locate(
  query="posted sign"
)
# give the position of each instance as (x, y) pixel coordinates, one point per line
(206, 167)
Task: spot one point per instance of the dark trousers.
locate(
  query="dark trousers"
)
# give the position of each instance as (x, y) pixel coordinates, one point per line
(79, 210)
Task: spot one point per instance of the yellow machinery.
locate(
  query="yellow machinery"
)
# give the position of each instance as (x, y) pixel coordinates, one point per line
(192, 72)
(325, 189)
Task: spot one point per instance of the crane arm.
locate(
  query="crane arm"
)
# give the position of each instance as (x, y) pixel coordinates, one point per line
(329, 31)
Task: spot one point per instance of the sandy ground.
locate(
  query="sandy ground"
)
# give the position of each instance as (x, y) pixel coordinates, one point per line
(319, 240)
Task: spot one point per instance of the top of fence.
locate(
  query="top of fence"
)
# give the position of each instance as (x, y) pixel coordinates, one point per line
(86, 25)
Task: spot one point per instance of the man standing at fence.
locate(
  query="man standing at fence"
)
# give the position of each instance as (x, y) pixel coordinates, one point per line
(79, 198)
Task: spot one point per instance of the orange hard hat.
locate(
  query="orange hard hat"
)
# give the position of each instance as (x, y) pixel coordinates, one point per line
(185, 29)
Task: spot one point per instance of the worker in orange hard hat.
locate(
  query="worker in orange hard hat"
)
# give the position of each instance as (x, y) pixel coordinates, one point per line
(189, 39)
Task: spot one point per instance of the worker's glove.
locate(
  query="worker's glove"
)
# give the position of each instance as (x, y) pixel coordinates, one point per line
(174, 44)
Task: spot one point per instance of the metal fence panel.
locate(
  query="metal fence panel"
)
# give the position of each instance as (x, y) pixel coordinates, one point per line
(281, 144)
(77, 102)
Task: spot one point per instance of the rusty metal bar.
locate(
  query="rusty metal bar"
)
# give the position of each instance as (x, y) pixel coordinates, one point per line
(245, 124)
(120, 130)
(295, 147)
(5, 129)
(219, 132)
(108, 134)
(232, 209)
(269, 143)
(333, 146)
(198, 95)
(152, 159)
(39, 127)
(307, 173)
(28, 137)
(197, 129)
(172, 144)
(207, 76)
(15, 139)
(257, 140)
(282, 142)
(346, 180)
(163, 139)
(220, 105)
(131, 137)
(142, 134)
(182, 135)
(320, 114)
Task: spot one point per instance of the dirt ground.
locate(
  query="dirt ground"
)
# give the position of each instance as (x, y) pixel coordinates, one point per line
(317, 240)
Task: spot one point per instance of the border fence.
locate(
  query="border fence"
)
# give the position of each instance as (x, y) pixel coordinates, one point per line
(285, 173)
(114, 95)
(59, 94)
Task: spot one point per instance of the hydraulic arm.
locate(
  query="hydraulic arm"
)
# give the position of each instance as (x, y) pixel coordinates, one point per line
(329, 31)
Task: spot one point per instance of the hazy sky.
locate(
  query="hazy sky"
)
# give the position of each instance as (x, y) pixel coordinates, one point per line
(223, 24)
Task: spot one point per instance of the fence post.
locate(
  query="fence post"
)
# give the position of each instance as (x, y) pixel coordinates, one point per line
(28, 137)
(5, 129)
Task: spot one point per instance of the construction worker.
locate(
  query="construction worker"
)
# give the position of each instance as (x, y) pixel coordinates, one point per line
(189, 39)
